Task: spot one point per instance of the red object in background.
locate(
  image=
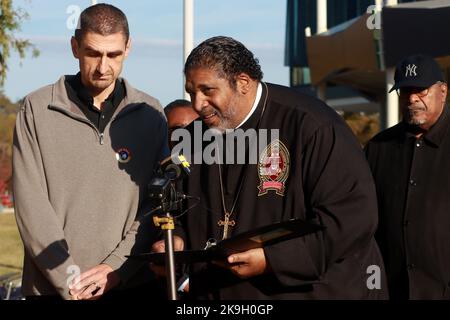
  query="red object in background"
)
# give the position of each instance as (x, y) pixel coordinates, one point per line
(5, 197)
(6, 200)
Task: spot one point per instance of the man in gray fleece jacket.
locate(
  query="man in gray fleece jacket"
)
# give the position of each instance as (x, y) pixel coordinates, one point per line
(84, 150)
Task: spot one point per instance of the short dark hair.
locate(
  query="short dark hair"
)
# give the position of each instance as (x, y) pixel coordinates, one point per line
(103, 19)
(227, 56)
(179, 103)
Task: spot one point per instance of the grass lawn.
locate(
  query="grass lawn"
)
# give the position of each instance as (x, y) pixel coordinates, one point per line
(11, 249)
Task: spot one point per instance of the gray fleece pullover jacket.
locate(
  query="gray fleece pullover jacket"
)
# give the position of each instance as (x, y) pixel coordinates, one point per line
(80, 195)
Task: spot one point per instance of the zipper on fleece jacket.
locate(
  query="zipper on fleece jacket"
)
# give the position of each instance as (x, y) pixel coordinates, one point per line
(101, 135)
(76, 117)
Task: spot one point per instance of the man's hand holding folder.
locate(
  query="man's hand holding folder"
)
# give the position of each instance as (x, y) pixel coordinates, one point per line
(242, 254)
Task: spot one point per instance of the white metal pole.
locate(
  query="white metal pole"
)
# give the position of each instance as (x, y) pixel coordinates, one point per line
(322, 16)
(93, 2)
(391, 2)
(322, 26)
(378, 34)
(188, 39)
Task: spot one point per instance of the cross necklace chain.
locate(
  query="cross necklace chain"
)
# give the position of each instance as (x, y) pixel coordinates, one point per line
(228, 221)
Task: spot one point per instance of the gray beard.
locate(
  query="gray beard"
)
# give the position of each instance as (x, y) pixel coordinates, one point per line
(415, 122)
(225, 123)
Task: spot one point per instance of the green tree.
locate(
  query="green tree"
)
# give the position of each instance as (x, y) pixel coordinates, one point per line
(10, 20)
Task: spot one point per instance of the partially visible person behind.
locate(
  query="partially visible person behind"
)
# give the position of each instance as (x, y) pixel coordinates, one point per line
(180, 114)
(85, 149)
(410, 165)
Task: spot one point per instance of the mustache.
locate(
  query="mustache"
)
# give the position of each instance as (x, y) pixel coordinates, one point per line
(99, 75)
(412, 107)
(206, 112)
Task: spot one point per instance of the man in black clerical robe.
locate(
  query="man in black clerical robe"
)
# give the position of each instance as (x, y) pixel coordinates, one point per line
(314, 169)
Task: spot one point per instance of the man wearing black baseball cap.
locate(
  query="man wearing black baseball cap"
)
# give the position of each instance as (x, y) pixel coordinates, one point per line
(414, 77)
(409, 163)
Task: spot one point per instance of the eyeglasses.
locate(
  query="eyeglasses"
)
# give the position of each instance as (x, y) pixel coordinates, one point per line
(406, 92)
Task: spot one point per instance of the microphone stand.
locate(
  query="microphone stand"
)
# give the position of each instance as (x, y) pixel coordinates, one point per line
(163, 189)
(167, 225)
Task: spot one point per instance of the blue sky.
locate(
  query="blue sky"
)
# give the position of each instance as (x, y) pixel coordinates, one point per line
(155, 63)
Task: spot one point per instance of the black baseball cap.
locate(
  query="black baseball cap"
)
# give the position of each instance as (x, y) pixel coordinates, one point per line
(419, 71)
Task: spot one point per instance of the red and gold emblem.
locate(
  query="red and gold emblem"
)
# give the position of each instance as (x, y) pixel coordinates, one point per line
(273, 168)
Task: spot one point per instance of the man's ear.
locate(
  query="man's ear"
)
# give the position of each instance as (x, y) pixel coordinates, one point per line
(128, 47)
(444, 91)
(243, 83)
(75, 47)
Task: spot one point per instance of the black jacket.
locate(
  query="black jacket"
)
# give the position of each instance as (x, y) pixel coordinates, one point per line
(412, 178)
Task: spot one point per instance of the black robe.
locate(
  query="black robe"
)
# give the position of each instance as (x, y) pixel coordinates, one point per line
(324, 178)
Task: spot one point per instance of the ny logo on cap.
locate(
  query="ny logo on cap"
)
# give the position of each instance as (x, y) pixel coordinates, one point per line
(411, 70)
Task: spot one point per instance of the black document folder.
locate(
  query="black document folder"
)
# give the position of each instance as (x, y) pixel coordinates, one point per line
(255, 238)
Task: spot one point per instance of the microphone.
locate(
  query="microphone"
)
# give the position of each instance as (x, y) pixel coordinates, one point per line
(175, 167)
